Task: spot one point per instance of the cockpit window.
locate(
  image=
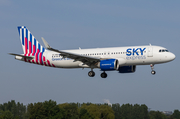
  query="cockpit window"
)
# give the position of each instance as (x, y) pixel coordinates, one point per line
(163, 50)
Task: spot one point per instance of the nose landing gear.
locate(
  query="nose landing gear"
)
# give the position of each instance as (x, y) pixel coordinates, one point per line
(152, 68)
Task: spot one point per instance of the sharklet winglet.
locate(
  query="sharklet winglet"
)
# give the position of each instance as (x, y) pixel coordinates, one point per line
(45, 43)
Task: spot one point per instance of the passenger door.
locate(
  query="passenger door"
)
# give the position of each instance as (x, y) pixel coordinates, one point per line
(150, 51)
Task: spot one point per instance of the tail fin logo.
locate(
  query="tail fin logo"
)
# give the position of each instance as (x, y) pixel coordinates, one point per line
(31, 46)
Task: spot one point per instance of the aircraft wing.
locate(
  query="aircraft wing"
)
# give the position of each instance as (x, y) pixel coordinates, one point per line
(85, 59)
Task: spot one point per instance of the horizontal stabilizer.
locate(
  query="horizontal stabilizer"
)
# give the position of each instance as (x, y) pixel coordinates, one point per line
(27, 57)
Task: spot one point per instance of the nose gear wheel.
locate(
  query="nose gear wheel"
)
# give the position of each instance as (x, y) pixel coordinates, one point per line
(152, 68)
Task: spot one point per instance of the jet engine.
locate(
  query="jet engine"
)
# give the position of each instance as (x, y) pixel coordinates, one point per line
(127, 69)
(108, 64)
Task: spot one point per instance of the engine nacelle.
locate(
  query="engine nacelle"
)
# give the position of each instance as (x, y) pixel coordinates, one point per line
(108, 64)
(127, 69)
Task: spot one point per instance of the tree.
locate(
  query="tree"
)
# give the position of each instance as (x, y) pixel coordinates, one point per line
(45, 110)
(176, 114)
(17, 110)
(126, 111)
(156, 115)
(70, 110)
(84, 114)
(116, 108)
(106, 112)
(94, 111)
(36, 111)
(140, 112)
(6, 115)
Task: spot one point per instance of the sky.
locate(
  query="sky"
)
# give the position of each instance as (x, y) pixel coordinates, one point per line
(91, 24)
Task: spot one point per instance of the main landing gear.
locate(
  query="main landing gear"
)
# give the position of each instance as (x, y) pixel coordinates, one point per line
(152, 68)
(103, 75)
(91, 73)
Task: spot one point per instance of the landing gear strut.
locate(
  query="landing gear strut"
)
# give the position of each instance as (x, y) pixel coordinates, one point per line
(103, 75)
(91, 73)
(152, 68)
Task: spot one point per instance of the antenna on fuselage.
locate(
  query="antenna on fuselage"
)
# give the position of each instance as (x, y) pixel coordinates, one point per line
(149, 44)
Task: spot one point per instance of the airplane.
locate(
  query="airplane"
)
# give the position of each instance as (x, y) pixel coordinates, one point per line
(121, 59)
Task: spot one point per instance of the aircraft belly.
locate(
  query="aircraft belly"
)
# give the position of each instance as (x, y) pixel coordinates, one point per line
(67, 64)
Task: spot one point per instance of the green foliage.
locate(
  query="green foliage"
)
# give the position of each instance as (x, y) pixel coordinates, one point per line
(117, 110)
(50, 110)
(128, 111)
(70, 110)
(45, 110)
(93, 111)
(6, 115)
(84, 114)
(157, 115)
(175, 115)
(17, 110)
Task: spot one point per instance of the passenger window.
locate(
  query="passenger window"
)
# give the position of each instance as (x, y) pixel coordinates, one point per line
(159, 50)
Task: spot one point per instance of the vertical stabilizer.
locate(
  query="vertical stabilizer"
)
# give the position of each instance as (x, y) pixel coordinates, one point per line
(30, 45)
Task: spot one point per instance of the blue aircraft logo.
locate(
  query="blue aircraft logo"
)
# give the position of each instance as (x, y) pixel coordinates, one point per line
(135, 51)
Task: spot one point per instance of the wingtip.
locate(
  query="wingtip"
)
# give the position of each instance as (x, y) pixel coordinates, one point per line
(45, 43)
(11, 53)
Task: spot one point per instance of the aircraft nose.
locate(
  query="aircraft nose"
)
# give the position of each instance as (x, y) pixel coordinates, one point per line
(171, 57)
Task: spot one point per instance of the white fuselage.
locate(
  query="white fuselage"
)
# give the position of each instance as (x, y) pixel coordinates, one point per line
(133, 55)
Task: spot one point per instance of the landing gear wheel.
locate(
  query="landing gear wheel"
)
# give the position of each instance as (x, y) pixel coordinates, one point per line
(103, 75)
(152, 67)
(153, 72)
(91, 74)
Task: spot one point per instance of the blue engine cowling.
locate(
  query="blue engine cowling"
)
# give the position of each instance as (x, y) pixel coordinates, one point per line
(127, 69)
(108, 64)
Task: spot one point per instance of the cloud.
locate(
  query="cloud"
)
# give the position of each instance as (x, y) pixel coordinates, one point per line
(107, 101)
